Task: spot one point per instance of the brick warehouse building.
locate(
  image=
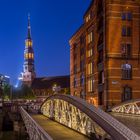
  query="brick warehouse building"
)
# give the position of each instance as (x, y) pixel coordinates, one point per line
(105, 53)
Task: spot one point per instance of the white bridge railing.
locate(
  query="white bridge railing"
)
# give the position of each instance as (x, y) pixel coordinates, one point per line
(35, 131)
(129, 107)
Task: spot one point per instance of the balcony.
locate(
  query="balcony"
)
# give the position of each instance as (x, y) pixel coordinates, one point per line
(100, 66)
(100, 87)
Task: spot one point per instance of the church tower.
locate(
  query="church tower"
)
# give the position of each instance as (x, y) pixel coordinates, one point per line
(28, 68)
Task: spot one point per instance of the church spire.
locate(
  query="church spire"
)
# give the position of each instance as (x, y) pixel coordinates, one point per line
(29, 28)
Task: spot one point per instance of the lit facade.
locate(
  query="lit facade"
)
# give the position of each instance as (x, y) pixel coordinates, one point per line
(105, 53)
(28, 74)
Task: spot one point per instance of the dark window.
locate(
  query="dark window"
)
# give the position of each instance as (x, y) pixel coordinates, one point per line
(82, 95)
(126, 50)
(123, 16)
(82, 63)
(82, 51)
(126, 71)
(82, 80)
(75, 69)
(127, 93)
(127, 16)
(75, 82)
(126, 31)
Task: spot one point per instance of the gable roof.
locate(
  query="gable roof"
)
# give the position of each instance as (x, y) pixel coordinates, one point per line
(48, 82)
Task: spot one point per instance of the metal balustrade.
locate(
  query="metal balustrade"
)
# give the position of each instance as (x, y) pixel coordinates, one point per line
(129, 107)
(33, 129)
(77, 114)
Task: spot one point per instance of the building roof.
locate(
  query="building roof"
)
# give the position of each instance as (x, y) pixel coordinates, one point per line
(48, 82)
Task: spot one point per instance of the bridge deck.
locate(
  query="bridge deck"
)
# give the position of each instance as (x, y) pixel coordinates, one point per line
(56, 130)
(132, 122)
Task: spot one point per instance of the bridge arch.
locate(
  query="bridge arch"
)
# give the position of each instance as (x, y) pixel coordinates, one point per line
(77, 114)
(128, 107)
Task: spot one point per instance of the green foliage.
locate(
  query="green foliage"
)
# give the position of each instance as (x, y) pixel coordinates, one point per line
(24, 92)
(6, 92)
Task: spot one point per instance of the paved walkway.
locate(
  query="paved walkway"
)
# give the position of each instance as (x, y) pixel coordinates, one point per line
(56, 130)
(132, 122)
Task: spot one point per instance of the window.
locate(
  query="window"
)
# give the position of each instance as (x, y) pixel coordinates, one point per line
(126, 31)
(82, 95)
(90, 84)
(90, 37)
(75, 69)
(26, 56)
(90, 52)
(82, 51)
(82, 80)
(126, 71)
(127, 16)
(126, 50)
(82, 64)
(75, 82)
(90, 68)
(127, 93)
(88, 18)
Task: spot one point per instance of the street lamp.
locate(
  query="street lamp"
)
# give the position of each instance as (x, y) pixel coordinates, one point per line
(56, 88)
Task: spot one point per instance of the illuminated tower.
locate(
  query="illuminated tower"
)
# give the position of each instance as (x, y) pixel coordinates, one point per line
(28, 67)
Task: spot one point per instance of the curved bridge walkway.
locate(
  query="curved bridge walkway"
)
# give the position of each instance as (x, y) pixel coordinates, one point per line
(71, 112)
(56, 130)
(132, 122)
(77, 114)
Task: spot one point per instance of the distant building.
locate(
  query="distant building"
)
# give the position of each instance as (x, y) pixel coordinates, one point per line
(28, 74)
(4, 80)
(105, 53)
(45, 86)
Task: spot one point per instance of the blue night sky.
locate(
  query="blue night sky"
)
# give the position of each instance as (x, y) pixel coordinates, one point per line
(52, 21)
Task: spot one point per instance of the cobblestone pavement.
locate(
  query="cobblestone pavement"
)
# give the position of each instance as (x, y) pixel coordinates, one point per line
(56, 130)
(132, 122)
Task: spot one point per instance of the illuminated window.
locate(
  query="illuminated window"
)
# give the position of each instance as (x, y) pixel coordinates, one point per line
(90, 68)
(30, 55)
(88, 18)
(90, 52)
(90, 84)
(26, 56)
(28, 43)
(90, 37)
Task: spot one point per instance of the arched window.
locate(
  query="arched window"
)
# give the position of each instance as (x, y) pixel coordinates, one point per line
(126, 71)
(127, 93)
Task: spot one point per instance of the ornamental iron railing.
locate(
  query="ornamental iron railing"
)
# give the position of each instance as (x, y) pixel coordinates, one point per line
(35, 131)
(128, 107)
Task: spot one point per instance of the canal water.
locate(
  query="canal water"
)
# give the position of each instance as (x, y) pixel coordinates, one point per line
(11, 126)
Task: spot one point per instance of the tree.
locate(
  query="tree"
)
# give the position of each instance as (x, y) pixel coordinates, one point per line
(26, 92)
(6, 92)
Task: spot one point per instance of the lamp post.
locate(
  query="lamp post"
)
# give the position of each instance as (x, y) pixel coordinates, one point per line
(56, 89)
